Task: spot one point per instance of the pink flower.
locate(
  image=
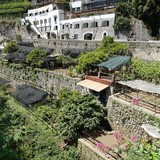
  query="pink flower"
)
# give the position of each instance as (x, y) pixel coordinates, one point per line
(103, 147)
(133, 138)
(135, 101)
(118, 135)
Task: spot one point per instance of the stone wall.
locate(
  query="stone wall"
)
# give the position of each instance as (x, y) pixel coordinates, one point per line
(44, 79)
(128, 118)
(148, 50)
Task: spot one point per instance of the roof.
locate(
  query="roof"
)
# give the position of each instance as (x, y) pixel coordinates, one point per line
(96, 86)
(142, 85)
(115, 62)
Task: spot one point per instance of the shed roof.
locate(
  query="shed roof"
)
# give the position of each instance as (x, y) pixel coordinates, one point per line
(142, 85)
(115, 62)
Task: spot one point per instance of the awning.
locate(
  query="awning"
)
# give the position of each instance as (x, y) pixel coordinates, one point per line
(115, 62)
(96, 86)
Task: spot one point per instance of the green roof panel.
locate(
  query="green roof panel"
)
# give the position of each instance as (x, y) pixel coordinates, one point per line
(115, 62)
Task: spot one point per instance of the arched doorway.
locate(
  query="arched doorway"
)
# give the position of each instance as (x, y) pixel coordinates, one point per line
(88, 36)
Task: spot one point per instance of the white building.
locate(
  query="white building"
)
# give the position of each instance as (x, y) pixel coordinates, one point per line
(91, 27)
(45, 20)
(49, 22)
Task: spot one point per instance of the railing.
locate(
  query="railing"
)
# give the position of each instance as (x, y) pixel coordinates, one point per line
(142, 103)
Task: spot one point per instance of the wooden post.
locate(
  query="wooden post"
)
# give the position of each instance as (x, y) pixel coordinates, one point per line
(99, 73)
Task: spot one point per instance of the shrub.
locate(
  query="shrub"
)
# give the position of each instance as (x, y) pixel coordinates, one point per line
(11, 47)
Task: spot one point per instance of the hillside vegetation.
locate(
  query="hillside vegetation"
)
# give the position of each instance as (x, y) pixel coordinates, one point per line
(14, 8)
(146, 10)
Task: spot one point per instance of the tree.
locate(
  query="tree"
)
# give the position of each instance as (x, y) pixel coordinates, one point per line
(78, 112)
(35, 57)
(11, 47)
(107, 48)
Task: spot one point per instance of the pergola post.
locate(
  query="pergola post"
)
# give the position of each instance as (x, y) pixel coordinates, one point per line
(99, 72)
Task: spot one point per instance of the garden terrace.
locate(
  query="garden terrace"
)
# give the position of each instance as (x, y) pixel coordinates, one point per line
(140, 93)
(14, 9)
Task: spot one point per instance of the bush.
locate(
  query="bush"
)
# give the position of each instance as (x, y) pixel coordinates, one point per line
(122, 23)
(35, 57)
(11, 47)
(78, 112)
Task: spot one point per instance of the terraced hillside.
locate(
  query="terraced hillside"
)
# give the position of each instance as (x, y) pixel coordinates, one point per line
(13, 8)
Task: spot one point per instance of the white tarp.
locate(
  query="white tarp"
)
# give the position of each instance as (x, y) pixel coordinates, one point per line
(151, 130)
(142, 85)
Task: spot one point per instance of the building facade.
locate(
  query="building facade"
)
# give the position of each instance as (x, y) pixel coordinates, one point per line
(51, 22)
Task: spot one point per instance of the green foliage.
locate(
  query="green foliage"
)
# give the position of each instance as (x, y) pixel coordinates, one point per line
(122, 23)
(35, 57)
(144, 151)
(77, 113)
(24, 137)
(107, 48)
(146, 10)
(18, 38)
(65, 60)
(16, 8)
(11, 47)
(145, 70)
(123, 20)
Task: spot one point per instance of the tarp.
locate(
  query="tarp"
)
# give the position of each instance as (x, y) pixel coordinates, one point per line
(151, 130)
(142, 85)
(115, 62)
(28, 95)
(96, 86)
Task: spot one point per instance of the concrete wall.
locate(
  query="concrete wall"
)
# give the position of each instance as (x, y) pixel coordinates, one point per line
(128, 118)
(149, 50)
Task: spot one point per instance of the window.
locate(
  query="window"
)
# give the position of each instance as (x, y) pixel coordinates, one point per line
(41, 21)
(70, 26)
(94, 24)
(105, 23)
(45, 21)
(105, 34)
(55, 27)
(88, 36)
(76, 26)
(49, 20)
(62, 36)
(37, 22)
(75, 36)
(55, 19)
(85, 25)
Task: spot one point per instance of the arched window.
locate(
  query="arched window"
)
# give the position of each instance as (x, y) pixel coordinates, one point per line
(37, 23)
(105, 23)
(49, 20)
(41, 21)
(62, 36)
(105, 34)
(88, 36)
(94, 24)
(85, 25)
(45, 21)
(76, 26)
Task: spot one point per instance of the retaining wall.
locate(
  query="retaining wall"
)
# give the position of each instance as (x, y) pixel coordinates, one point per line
(44, 79)
(149, 50)
(125, 117)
